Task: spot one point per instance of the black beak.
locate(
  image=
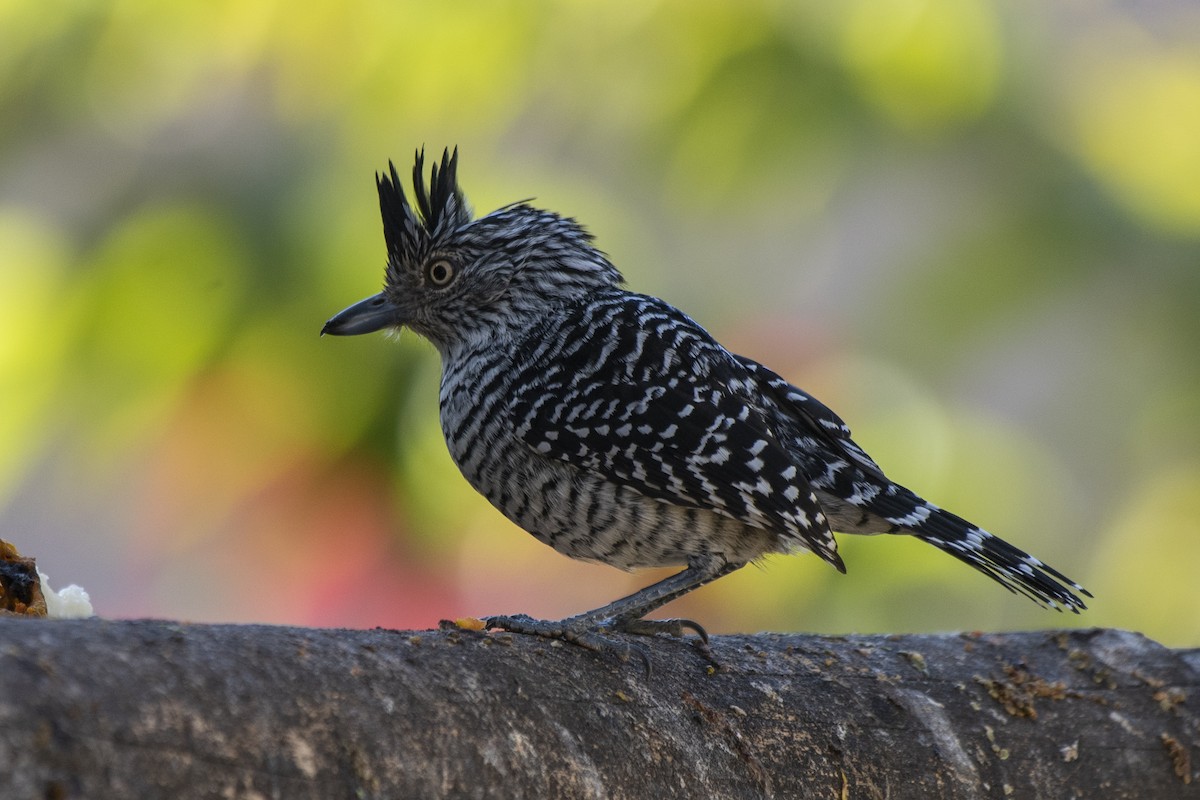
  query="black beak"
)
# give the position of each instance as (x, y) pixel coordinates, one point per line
(365, 316)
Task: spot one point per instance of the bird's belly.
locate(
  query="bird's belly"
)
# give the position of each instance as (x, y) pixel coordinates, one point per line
(584, 516)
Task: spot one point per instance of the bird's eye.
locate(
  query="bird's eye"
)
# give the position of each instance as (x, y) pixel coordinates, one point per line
(440, 272)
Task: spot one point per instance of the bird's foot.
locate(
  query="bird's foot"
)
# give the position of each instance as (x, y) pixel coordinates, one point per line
(568, 630)
(589, 633)
(575, 630)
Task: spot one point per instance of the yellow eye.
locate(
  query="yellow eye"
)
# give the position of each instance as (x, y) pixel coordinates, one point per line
(440, 272)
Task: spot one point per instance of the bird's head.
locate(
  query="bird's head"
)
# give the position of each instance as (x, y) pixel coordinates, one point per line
(454, 279)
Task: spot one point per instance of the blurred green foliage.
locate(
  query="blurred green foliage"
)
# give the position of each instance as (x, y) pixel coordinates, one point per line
(973, 228)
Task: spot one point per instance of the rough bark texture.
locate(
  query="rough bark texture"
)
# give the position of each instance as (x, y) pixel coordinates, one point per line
(147, 709)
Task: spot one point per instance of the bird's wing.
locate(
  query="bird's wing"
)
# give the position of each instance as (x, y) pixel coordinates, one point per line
(633, 389)
(811, 416)
(864, 485)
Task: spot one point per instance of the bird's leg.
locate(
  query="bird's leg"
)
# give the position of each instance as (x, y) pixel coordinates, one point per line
(625, 615)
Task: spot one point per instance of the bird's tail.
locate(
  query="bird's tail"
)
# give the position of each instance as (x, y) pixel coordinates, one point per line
(1011, 567)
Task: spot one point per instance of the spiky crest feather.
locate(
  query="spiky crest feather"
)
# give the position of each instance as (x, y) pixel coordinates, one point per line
(440, 207)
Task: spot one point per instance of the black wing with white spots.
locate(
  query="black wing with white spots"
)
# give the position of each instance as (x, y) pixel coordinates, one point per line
(810, 416)
(628, 387)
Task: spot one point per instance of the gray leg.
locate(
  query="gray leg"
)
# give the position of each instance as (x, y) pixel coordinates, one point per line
(625, 615)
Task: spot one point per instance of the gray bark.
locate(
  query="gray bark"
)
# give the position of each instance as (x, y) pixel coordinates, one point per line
(148, 709)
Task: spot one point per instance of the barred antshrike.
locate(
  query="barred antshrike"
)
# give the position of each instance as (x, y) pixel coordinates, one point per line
(615, 429)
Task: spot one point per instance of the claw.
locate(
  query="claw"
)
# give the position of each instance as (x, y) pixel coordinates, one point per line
(670, 627)
(650, 627)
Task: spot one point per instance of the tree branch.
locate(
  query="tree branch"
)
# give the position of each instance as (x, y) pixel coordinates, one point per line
(150, 709)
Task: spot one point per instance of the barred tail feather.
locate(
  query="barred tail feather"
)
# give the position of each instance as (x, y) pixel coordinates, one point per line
(1011, 567)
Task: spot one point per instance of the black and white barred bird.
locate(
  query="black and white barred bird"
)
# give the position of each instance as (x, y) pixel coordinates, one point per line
(615, 429)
